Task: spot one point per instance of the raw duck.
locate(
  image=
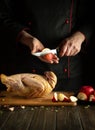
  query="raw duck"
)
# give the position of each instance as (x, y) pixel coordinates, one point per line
(30, 85)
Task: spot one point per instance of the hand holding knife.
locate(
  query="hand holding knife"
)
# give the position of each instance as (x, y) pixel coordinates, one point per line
(48, 55)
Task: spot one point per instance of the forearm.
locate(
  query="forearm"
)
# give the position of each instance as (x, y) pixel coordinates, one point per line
(25, 38)
(80, 36)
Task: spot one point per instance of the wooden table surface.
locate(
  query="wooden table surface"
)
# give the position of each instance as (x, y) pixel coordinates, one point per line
(80, 117)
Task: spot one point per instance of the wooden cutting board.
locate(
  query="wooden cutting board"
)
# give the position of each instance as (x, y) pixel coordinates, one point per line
(7, 98)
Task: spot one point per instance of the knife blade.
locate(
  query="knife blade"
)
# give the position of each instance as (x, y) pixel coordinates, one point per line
(53, 51)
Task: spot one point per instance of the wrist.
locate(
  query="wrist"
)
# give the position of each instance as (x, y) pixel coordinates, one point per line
(25, 38)
(81, 35)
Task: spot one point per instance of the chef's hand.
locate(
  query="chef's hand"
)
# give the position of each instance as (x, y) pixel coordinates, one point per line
(35, 46)
(33, 43)
(54, 59)
(71, 45)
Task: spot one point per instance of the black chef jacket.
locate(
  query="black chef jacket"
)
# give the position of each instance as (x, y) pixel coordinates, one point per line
(50, 22)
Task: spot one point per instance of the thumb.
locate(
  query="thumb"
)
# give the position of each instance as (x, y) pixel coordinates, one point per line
(33, 50)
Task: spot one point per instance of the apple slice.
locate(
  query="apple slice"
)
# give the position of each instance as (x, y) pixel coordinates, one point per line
(48, 56)
(55, 97)
(45, 49)
(73, 99)
(82, 96)
(92, 98)
(62, 97)
(85, 92)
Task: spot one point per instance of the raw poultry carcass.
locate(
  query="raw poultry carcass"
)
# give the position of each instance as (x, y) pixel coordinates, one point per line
(30, 85)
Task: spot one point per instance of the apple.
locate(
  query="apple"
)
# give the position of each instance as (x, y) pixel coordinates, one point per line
(48, 56)
(85, 92)
(73, 99)
(92, 98)
(45, 49)
(55, 97)
(62, 97)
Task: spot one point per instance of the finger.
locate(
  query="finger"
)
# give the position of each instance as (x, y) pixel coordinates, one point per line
(33, 50)
(44, 60)
(68, 51)
(55, 59)
(63, 51)
(73, 52)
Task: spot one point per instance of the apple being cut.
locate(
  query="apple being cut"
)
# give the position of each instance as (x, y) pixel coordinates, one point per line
(85, 93)
(48, 56)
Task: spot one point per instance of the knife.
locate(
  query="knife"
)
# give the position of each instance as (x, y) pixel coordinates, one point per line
(53, 51)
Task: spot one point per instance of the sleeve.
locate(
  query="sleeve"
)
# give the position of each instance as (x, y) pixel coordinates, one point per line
(8, 21)
(85, 22)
